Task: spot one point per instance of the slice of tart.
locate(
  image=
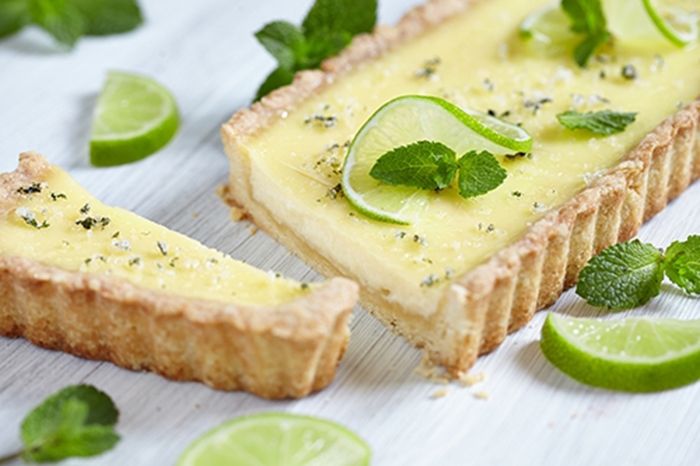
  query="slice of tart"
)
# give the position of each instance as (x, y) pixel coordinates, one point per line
(467, 272)
(103, 283)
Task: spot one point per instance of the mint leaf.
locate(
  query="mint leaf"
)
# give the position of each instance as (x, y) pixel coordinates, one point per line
(622, 276)
(76, 421)
(604, 122)
(328, 28)
(278, 78)
(479, 173)
(585, 50)
(14, 15)
(284, 41)
(334, 16)
(104, 17)
(682, 264)
(60, 18)
(587, 17)
(422, 164)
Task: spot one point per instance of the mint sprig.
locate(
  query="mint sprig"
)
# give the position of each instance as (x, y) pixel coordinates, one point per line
(77, 421)
(604, 122)
(587, 18)
(629, 274)
(68, 20)
(423, 165)
(328, 28)
(682, 264)
(432, 165)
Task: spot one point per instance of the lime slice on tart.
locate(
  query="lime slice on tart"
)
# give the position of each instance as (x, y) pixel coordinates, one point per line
(548, 28)
(635, 354)
(650, 23)
(410, 119)
(277, 439)
(676, 24)
(134, 117)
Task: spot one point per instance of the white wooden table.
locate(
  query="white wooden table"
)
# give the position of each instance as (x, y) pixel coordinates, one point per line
(205, 53)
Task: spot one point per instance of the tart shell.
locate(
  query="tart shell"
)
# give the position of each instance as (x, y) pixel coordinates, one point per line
(501, 295)
(282, 351)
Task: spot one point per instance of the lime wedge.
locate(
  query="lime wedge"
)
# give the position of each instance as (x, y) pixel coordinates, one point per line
(410, 119)
(135, 117)
(277, 439)
(548, 29)
(635, 355)
(648, 23)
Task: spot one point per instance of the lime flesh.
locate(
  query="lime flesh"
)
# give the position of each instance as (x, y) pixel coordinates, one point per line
(410, 119)
(636, 354)
(548, 29)
(134, 117)
(276, 440)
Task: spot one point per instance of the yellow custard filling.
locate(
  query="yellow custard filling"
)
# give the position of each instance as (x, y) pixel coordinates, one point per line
(58, 223)
(477, 61)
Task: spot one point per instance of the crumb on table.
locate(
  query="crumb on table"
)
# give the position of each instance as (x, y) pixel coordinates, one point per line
(440, 393)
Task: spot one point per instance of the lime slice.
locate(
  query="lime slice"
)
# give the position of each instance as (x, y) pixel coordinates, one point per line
(636, 355)
(277, 439)
(677, 25)
(409, 119)
(548, 28)
(648, 23)
(135, 117)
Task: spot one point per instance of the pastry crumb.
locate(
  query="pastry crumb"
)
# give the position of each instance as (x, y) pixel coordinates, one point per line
(391, 369)
(442, 393)
(467, 380)
(551, 425)
(574, 416)
(194, 214)
(482, 395)
(237, 214)
(428, 370)
(222, 191)
(253, 230)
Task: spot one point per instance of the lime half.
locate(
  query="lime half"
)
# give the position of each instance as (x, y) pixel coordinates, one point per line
(277, 439)
(410, 119)
(135, 117)
(635, 355)
(650, 23)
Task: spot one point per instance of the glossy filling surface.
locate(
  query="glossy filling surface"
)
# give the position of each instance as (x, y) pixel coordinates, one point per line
(58, 223)
(474, 60)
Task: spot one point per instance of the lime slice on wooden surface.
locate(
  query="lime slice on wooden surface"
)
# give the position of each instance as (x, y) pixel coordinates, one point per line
(410, 119)
(135, 117)
(635, 354)
(277, 439)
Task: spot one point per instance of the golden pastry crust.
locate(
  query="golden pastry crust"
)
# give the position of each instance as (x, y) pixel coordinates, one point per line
(288, 350)
(501, 295)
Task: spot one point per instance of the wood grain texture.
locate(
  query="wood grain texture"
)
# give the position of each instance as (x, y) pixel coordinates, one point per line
(205, 53)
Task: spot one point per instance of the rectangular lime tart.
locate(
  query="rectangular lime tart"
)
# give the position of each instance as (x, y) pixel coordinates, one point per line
(465, 272)
(103, 283)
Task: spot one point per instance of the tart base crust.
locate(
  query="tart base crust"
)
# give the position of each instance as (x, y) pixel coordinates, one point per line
(283, 351)
(501, 295)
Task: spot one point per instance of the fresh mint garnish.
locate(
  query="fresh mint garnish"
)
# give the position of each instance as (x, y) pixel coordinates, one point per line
(587, 18)
(682, 264)
(68, 20)
(479, 173)
(622, 276)
(423, 165)
(328, 28)
(604, 122)
(76, 421)
(432, 165)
